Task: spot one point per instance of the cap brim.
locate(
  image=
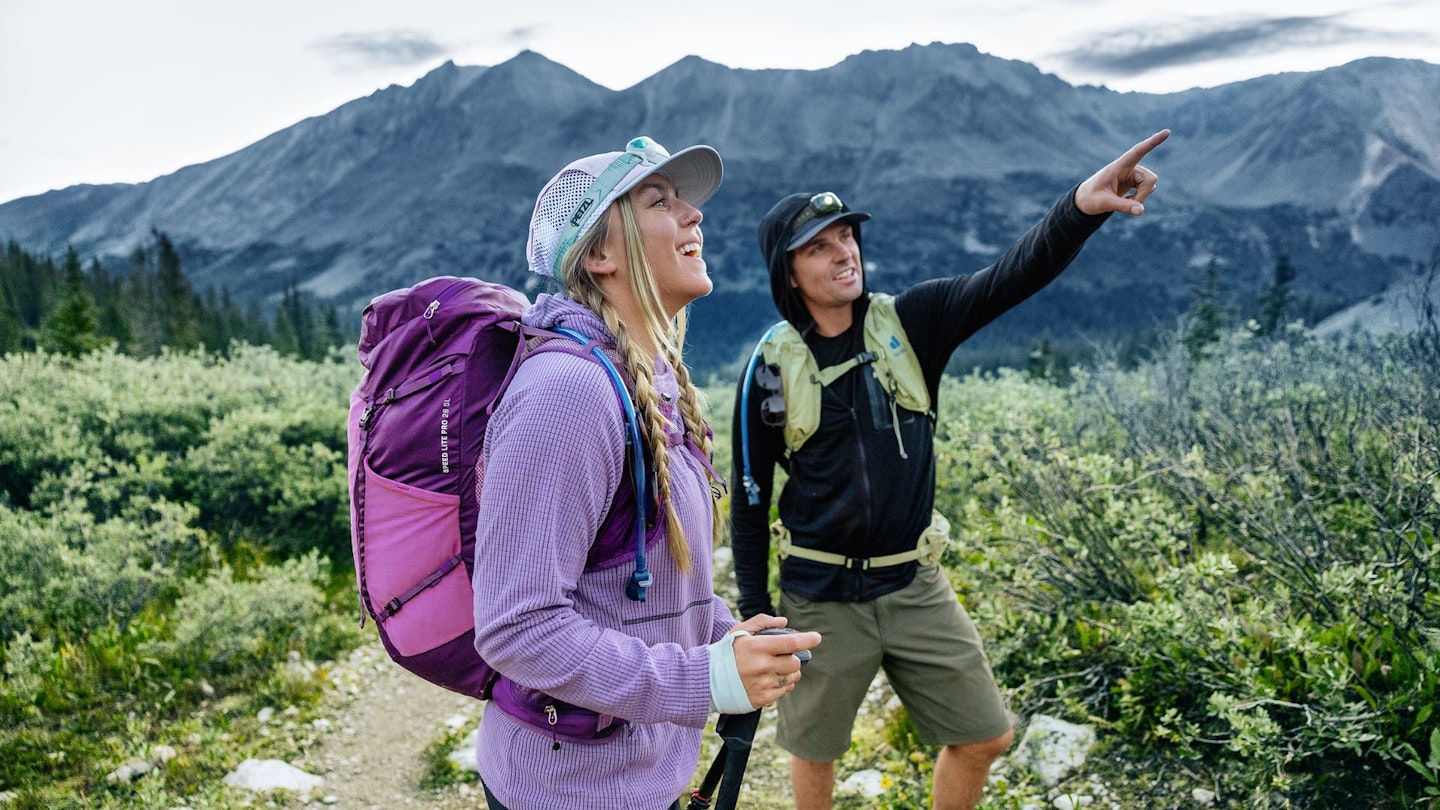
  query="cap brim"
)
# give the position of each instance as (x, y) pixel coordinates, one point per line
(695, 172)
(816, 226)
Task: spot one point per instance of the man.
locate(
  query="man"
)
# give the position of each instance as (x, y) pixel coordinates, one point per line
(842, 394)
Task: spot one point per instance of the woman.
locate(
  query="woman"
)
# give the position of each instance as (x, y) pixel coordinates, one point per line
(620, 232)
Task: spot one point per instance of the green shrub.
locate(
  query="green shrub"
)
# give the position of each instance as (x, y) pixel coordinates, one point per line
(66, 572)
(1231, 560)
(222, 625)
(271, 477)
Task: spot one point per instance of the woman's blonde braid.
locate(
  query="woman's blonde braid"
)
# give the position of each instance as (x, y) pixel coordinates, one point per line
(693, 406)
(647, 402)
(647, 405)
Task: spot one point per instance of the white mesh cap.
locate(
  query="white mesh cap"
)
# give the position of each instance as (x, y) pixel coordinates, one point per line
(571, 203)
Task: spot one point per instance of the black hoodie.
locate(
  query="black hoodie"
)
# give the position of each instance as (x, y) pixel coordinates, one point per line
(774, 234)
(850, 491)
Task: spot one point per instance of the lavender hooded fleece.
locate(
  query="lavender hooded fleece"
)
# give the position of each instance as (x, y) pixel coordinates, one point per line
(554, 456)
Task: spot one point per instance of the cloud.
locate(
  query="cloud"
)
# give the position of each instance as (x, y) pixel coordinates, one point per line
(383, 48)
(1140, 51)
(522, 36)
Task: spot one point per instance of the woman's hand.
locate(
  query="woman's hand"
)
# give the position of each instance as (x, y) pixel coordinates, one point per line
(767, 664)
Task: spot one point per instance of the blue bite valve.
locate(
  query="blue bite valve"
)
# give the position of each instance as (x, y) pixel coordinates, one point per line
(639, 581)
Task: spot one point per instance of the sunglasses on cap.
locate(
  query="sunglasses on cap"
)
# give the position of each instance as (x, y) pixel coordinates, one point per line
(822, 204)
(772, 408)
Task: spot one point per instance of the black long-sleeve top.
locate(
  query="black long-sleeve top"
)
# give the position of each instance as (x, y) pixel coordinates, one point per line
(849, 490)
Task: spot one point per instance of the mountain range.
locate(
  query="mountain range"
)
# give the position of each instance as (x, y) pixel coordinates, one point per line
(955, 153)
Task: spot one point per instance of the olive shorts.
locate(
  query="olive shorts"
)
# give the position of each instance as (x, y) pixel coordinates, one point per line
(932, 656)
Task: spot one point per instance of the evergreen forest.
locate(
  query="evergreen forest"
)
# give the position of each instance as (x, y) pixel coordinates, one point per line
(71, 307)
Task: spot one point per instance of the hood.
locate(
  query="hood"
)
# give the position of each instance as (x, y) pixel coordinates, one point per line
(775, 234)
(550, 311)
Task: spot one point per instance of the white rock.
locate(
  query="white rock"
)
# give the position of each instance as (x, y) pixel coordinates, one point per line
(269, 774)
(1070, 801)
(464, 756)
(1052, 748)
(265, 714)
(130, 771)
(161, 754)
(867, 783)
(1203, 797)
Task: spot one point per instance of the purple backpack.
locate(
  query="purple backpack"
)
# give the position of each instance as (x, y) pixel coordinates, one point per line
(437, 359)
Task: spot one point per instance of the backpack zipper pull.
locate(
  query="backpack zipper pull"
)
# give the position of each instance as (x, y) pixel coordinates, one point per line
(895, 413)
(430, 313)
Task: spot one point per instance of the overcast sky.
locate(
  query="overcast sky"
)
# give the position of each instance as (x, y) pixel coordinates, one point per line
(104, 91)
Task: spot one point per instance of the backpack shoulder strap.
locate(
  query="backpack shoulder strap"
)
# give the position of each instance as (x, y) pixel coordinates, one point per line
(569, 341)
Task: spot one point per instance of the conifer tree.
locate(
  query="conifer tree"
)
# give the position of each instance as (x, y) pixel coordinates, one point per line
(256, 330)
(109, 292)
(147, 334)
(287, 332)
(214, 326)
(1207, 315)
(73, 328)
(35, 284)
(10, 330)
(1275, 303)
(328, 334)
(178, 305)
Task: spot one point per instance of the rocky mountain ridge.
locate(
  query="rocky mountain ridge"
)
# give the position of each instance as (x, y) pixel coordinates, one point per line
(955, 152)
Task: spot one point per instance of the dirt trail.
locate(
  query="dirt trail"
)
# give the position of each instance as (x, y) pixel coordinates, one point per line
(383, 718)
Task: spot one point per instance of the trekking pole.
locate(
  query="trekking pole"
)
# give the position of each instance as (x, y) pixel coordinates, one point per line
(728, 770)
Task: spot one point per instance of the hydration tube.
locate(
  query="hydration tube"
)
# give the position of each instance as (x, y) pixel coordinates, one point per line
(640, 579)
(752, 489)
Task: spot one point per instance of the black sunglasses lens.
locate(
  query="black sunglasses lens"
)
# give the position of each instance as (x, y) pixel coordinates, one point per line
(826, 202)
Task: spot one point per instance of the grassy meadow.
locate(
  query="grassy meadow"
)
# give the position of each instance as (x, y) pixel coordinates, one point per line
(1224, 560)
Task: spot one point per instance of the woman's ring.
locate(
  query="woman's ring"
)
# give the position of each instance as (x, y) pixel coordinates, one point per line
(784, 679)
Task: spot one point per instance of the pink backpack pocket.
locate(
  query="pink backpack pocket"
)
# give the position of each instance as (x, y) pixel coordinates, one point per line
(421, 594)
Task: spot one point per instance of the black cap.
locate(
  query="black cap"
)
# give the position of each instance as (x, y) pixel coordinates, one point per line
(778, 236)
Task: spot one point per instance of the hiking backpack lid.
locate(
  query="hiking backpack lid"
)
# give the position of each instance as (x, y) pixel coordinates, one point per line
(438, 357)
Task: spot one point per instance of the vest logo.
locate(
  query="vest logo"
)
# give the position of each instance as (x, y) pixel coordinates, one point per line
(445, 437)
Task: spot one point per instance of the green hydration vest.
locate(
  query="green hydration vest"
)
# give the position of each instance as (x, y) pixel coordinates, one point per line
(803, 382)
(896, 367)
